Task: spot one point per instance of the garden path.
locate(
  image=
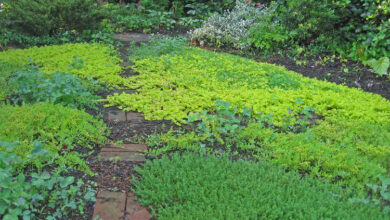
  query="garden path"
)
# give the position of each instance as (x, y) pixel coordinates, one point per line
(112, 203)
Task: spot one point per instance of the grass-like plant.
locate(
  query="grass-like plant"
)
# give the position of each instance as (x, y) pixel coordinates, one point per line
(193, 186)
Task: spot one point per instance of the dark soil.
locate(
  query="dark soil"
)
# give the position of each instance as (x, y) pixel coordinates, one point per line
(357, 75)
(351, 74)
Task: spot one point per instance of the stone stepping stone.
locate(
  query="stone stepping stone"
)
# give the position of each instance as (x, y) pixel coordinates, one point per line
(109, 205)
(128, 37)
(123, 156)
(134, 211)
(118, 115)
(125, 148)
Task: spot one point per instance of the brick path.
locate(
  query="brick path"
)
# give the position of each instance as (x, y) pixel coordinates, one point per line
(120, 205)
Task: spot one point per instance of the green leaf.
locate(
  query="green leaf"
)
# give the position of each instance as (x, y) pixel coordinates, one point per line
(66, 181)
(380, 66)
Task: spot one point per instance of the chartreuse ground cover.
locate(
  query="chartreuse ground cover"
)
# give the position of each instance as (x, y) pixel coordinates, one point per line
(97, 61)
(336, 133)
(44, 136)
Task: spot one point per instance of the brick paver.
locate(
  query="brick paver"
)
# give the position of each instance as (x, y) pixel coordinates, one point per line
(134, 116)
(119, 115)
(134, 211)
(109, 205)
(116, 115)
(123, 156)
(125, 148)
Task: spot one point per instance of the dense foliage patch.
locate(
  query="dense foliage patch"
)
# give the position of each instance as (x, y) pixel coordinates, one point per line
(354, 29)
(175, 84)
(192, 186)
(6, 70)
(83, 60)
(30, 86)
(152, 15)
(59, 129)
(43, 17)
(342, 143)
(32, 195)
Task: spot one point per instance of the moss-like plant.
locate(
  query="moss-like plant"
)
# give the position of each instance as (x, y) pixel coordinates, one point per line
(60, 130)
(207, 187)
(97, 61)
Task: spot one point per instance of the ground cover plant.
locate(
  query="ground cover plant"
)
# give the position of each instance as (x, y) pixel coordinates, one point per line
(44, 138)
(343, 144)
(59, 129)
(30, 86)
(193, 186)
(37, 195)
(6, 70)
(42, 151)
(97, 61)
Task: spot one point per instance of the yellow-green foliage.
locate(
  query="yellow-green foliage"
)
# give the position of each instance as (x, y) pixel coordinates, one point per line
(351, 143)
(55, 126)
(84, 60)
(6, 69)
(171, 86)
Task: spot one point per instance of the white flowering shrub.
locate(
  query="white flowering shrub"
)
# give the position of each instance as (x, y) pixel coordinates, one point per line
(230, 28)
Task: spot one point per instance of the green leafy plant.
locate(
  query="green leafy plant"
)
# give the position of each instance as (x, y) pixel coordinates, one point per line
(60, 129)
(100, 62)
(35, 195)
(45, 17)
(306, 124)
(6, 70)
(205, 186)
(380, 66)
(31, 86)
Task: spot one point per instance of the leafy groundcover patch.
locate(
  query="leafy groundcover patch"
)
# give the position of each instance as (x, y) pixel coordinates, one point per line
(193, 186)
(84, 60)
(349, 134)
(44, 137)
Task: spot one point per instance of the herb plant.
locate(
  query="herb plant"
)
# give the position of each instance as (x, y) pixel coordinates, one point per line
(193, 186)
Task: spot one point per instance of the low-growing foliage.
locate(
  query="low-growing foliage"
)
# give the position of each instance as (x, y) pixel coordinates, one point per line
(316, 127)
(6, 70)
(98, 61)
(59, 129)
(175, 84)
(193, 186)
(37, 195)
(157, 46)
(30, 86)
(354, 156)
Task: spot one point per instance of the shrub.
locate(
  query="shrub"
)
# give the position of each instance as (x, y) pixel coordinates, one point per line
(230, 28)
(31, 86)
(98, 61)
(44, 17)
(206, 187)
(59, 129)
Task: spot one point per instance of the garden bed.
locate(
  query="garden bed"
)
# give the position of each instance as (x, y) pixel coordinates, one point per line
(206, 102)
